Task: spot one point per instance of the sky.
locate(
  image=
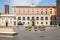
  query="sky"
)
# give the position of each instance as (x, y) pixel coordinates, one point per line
(25, 3)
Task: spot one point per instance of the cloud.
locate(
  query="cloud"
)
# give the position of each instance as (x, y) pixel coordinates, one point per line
(25, 2)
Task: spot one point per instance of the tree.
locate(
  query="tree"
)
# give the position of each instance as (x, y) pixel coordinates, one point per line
(20, 23)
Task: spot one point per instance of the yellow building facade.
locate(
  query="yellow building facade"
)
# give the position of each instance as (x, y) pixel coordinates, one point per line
(38, 15)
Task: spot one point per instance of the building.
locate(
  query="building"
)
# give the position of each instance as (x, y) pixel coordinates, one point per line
(38, 15)
(31, 15)
(7, 19)
(58, 11)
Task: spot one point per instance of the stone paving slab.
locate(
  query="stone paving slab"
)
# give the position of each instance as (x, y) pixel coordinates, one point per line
(50, 34)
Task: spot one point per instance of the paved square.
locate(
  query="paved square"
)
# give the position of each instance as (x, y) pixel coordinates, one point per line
(52, 33)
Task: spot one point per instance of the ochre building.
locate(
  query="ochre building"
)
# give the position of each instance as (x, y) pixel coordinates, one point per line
(31, 15)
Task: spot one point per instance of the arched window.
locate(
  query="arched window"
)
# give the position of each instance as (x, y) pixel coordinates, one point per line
(6, 21)
(41, 12)
(46, 18)
(32, 18)
(42, 18)
(37, 18)
(28, 18)
(19, 18)
(23, 18)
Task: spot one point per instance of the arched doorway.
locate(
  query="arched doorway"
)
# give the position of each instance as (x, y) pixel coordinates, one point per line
(6, 22)
(59, 23)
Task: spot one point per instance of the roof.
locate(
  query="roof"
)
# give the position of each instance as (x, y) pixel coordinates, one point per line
(33, 7)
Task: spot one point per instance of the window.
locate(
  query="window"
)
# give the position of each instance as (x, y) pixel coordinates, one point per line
(51, 9)
(18, 13)
(41, 22)
(50, 12)
(37, 13)
(54, 18)
(46, 8)
(51, 23)
(2, 20)
(37, 18)
(41, 18)
(51, 18)
(37, 22)
(32, 18)
(23, 22)
(23, 18)
(28, 11)
(19, 18)
(46, 12)
(55, 12)
(41, 12)
(14, 22)
(41, 9)
(19, 10)
(28, 22)
(46, 22)
(55, 23)
(23, 10)
(37, 10)
(46, 18)
(14, 10)
(28, 18)
(10, 21)
(14, 18)
(32, 9)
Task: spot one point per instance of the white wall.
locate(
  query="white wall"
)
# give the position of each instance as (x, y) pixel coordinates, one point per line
(44, 21)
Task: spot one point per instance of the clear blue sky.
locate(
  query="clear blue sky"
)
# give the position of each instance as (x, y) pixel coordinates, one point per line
(41, 3)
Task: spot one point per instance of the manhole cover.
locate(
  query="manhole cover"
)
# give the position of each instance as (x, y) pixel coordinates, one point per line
(42, 36)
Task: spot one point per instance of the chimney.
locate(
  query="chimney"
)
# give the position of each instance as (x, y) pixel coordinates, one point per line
(6, 9)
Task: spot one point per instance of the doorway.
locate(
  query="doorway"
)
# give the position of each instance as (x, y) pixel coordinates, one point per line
(33, 23)
(6, 24)
(59, 23)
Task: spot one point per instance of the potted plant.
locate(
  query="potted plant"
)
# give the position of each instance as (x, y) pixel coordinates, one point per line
(35, 28)
(29, 28)
(41, 28)
(26, 28)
